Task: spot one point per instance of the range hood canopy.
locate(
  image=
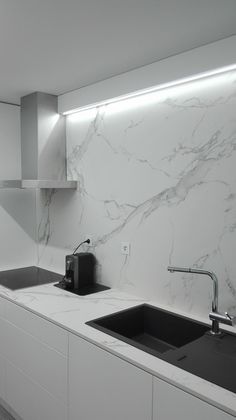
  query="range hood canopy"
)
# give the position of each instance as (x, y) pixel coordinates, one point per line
(43, 145)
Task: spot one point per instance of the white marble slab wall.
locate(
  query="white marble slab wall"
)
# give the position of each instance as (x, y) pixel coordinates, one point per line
(158, 171)
(17, 207)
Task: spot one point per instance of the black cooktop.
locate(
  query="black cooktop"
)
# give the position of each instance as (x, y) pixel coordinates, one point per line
(21, 278)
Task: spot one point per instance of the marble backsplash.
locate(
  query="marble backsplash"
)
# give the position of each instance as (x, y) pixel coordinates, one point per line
(158, 171)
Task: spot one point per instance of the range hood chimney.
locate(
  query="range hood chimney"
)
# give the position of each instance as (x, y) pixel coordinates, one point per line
(43, 145)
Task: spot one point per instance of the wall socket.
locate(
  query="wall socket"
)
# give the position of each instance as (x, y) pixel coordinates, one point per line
(125, 248)
(90, 237)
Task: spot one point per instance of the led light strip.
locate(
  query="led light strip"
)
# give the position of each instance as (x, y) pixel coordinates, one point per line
(154, 89)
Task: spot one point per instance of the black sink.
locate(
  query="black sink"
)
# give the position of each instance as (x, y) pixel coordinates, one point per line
(151, 329)
(178, 340)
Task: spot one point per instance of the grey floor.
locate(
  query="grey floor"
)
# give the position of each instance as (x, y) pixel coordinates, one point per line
(4, 415)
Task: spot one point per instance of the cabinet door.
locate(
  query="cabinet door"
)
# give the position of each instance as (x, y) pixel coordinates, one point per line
(104, 387)
(29, 400)
(171, 403)
(35, 353)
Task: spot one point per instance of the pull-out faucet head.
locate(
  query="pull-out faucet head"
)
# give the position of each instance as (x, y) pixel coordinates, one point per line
(171, 269)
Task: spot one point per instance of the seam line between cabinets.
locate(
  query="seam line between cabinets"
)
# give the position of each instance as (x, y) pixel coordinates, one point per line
(67, 388)
(152, 397)
(33, 381)
(42, 342)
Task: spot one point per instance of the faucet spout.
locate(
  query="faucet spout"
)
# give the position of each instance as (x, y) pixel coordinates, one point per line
(207, 273)
(215, 321)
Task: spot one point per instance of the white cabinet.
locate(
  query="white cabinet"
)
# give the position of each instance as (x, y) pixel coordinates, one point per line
(35, 353)
(171, 403)
(29, 400)
(104, 387)
(47, 373)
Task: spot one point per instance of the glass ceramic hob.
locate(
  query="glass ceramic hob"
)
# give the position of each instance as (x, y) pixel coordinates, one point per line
(21, 278)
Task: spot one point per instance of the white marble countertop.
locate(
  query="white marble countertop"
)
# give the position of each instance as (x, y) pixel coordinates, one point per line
(71, 312)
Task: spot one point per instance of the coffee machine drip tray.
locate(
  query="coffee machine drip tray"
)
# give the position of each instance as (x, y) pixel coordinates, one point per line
(85, 290)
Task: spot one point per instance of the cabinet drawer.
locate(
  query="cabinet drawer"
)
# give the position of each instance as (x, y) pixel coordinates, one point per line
(171, 403)
(43, 330)
(29, 400)
(104, 387)
(41, 363)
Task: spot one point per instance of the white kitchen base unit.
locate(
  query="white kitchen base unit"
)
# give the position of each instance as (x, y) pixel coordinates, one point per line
(49, 373)
(104, 387)
(33, 359)
(171, 403)
(29, 400)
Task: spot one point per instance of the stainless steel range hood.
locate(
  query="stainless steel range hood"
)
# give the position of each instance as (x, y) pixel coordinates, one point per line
(43, 145)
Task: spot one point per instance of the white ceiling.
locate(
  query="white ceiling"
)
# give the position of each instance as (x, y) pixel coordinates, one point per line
(56, 46)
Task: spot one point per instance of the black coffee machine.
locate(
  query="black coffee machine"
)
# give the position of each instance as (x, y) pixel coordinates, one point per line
(80, 273)
(79, 270)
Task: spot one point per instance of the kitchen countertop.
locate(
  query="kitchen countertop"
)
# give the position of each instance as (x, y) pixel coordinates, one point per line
(71, 312)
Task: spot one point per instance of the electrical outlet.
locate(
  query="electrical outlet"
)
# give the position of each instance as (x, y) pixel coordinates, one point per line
(90, 237)
(125, 248)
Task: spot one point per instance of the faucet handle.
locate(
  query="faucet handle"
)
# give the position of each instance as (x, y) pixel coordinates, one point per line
(231, 318)
(223, 318)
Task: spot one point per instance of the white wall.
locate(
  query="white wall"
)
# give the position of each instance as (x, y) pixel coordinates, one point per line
(17, 207)
(199, 60)
(160, 174)
(10, 167)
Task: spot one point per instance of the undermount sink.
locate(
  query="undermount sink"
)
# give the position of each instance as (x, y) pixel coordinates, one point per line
(150, 329)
